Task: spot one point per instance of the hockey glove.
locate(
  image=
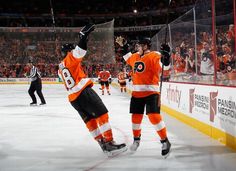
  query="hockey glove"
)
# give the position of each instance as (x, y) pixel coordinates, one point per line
(120, 40)
(83, 35)
(86, 30)
(165, 52)
(109, 80)
(124, 44)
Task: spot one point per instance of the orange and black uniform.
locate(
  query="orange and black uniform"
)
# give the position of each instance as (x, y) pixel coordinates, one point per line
(104, 78)
(82, 97)
(145, 92)
(122, 80)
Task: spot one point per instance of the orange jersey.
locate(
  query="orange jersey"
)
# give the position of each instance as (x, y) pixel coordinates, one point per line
(122, 76)
(146, 73)
(104, 75)
(72, 74)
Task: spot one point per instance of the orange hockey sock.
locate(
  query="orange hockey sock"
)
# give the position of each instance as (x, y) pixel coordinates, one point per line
(105, 127)
(136, 124)
(158, 124)
(93, 129)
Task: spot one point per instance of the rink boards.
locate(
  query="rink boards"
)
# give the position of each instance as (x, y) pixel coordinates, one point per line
(210, 109)
(27, 81)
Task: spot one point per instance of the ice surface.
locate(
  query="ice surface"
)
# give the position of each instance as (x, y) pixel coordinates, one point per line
(54, 138)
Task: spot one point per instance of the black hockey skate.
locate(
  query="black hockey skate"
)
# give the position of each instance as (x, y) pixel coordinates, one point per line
(111, 148)
(166, 148)
(135, 144)
(33, 104)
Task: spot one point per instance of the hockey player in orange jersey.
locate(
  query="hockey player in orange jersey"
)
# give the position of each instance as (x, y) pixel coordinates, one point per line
(146, 66)
(122, 75)
(83, 98)
(104, 78)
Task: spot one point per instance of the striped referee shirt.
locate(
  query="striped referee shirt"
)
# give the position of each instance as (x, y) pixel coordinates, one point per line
(34, 74)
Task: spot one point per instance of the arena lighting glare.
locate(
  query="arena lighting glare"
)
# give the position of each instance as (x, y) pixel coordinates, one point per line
(135, 11)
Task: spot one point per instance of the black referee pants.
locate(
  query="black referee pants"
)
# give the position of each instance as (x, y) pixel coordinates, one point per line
(36, 86)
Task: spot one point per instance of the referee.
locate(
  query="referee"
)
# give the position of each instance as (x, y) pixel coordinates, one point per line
(36, 85)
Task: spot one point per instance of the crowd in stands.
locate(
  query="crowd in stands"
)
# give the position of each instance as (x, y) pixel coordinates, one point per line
(190, 62)
(192, 59)
(16, 52)
(186, 60)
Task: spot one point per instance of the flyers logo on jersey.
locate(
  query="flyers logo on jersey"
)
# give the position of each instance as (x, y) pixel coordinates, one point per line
(139, 66)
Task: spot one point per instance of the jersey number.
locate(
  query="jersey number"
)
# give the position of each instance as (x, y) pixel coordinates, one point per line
(68, 79)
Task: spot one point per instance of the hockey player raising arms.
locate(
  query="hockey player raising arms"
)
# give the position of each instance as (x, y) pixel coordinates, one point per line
(146, 66)
(83, 98)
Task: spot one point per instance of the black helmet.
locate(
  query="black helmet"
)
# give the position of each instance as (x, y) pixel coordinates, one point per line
(66, 48)
(146, 41)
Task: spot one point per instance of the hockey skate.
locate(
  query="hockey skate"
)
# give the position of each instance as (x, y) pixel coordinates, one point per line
(33, 104)
(166, 148)
(135, 144)
(111, 148)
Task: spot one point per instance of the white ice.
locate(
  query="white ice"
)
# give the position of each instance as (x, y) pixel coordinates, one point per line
(54, 138)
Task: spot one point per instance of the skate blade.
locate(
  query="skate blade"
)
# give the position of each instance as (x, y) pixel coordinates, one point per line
(133, 149)
(165, 156)
(116, 152)
(42, 105)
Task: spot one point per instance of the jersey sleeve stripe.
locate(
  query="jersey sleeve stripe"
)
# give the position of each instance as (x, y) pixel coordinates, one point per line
(126, 57)
(78, 52)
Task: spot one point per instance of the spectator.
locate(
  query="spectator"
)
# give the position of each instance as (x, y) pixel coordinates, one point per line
(207, 64)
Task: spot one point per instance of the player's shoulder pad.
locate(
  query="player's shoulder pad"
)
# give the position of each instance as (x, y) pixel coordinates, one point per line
(157, 52)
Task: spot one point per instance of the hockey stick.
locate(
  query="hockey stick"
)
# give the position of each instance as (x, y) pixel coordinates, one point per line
(53, 24)
(52, 15)
(167, 21)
